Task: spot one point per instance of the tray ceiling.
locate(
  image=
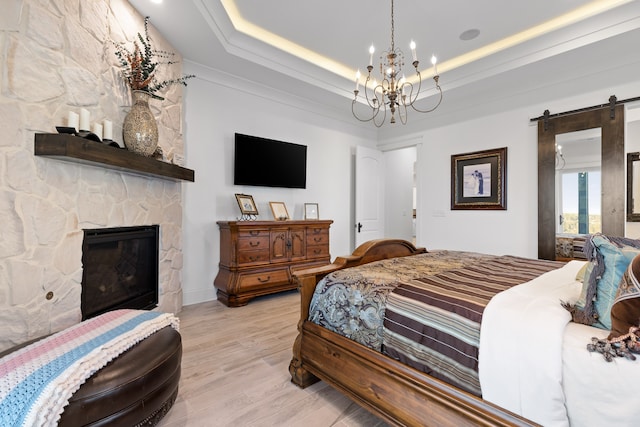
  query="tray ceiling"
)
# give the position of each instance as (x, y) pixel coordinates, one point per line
(314, 48)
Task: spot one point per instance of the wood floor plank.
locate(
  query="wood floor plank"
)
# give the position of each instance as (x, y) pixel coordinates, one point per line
(235, 371)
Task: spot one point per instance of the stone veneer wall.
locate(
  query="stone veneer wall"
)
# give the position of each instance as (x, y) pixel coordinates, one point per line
(56, 56)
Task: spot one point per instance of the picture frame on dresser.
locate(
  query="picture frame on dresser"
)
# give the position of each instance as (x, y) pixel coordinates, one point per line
(311, 211)
(246, 204)
(279, 210)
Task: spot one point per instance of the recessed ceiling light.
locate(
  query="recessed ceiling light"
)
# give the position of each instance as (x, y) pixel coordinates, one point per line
(156, 1)
(470, 34)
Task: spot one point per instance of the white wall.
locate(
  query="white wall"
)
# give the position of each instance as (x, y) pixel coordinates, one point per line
(513, 231)
(217, 106)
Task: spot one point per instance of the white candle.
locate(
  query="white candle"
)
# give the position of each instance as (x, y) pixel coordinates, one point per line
(371, 50)
(412, 45)
(434, 61)
(84, 119)
(97, 129)
(108, 130)
(357, 79)
(73, 120)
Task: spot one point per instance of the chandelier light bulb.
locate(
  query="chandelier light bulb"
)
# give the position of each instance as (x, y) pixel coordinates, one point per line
(434, 62)
(412, 46)
(371, 51)
(357, 80)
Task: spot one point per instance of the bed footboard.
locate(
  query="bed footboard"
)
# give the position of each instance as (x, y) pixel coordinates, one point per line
(307, 279)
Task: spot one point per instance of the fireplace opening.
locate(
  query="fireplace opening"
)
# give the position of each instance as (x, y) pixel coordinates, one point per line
(119, 269)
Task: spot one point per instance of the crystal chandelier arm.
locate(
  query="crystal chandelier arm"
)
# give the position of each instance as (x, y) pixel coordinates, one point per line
(375, 102)
(384, 117)
(412, 101)
(374, 112)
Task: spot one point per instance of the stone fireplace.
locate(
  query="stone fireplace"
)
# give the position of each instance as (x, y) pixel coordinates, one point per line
(58, 57)
(119, 269)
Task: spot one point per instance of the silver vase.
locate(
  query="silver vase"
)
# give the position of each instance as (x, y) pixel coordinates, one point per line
(140, 130)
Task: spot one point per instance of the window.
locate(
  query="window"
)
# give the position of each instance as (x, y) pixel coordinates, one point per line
(580, 212)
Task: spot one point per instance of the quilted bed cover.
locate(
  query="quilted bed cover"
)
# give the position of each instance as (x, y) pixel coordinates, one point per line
(352, 302)
(423, 310)
(433, 323)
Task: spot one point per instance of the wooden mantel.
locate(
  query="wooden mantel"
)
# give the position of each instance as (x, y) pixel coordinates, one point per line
(81, 150)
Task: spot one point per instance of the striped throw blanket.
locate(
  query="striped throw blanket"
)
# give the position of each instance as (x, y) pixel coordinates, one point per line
(433, 323)
(37, 381)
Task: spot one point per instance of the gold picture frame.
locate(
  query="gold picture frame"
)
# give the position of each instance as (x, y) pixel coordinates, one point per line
(246, 204)
(311, 211)
(279, 210)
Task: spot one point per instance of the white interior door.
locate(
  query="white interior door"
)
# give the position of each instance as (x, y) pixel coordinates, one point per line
(369, 223)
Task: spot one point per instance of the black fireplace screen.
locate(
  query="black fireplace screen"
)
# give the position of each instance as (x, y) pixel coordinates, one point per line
(119, 269)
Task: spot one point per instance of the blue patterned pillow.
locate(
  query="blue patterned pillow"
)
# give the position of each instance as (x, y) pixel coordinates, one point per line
(616, 254)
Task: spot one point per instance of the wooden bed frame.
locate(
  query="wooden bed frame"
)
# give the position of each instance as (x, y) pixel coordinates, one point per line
(397, 393)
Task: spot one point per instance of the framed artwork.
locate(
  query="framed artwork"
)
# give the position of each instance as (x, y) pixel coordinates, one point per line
(311, 211)
(279, 210)
(247, 205)
(478, 180)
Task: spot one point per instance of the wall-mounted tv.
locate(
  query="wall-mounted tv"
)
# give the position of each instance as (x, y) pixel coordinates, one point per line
(268, 163)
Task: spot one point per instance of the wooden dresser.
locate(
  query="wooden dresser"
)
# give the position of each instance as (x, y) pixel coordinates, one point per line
(256, 257)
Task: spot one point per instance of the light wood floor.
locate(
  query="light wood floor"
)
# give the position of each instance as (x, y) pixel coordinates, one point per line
(235, 371)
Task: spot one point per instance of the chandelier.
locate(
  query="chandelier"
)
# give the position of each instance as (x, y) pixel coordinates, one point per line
(394, 92)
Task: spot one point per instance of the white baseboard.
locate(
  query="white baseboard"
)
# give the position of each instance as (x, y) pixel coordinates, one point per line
(197, 296)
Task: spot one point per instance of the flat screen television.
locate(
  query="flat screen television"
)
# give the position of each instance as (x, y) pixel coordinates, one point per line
(268, 163)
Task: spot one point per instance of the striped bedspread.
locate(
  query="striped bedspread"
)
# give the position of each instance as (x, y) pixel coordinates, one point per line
(433, 323)
(37, 381)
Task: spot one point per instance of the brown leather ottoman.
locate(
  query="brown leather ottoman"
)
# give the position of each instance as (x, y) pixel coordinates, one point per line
(135, 389)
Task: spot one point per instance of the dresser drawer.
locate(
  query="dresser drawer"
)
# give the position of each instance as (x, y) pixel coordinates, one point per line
(253, 243)
(317, 251)
(318, 239)
(252, 257)
(317, 230)
(264, 278)
(258, 232)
